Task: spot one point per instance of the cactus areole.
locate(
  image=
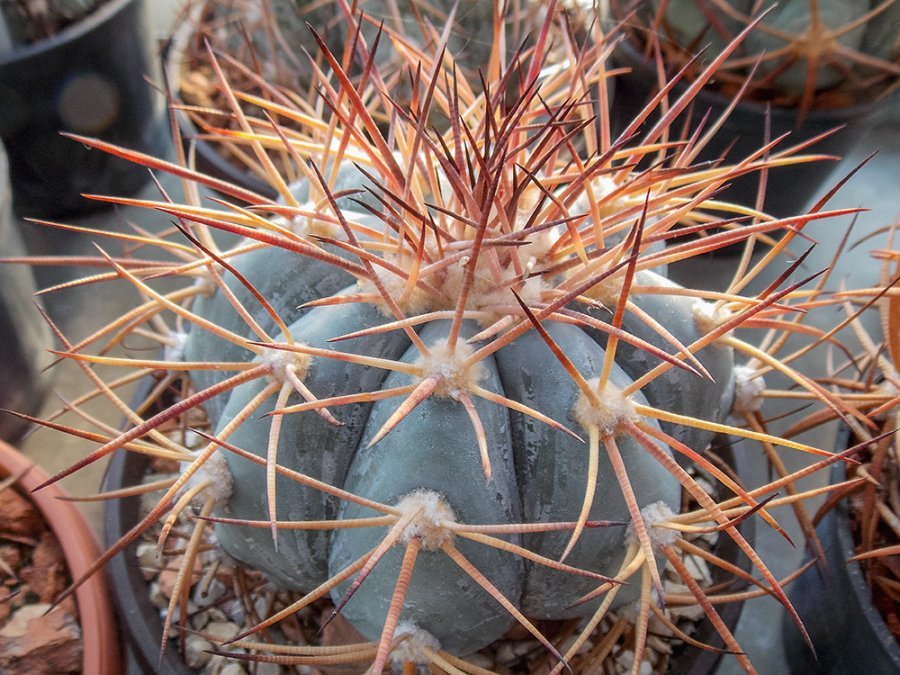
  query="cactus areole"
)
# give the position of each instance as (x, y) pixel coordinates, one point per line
(439, 430)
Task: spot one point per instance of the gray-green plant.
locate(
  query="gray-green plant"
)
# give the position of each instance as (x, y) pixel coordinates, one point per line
(810, 53)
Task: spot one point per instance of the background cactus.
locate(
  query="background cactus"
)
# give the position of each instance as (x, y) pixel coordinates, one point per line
(439, 379)
(264, 49)
(26, 21)
(811, 53)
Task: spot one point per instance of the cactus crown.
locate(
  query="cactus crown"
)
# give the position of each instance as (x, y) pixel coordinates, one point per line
(449, 332)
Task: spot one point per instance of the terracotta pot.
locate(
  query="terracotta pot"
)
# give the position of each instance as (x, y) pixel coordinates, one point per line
(100, 635)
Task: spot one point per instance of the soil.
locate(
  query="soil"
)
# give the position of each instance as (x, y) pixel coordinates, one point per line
(33, 573)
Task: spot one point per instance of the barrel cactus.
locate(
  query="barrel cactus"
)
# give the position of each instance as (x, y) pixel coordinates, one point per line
(808, 53)
(441, 379)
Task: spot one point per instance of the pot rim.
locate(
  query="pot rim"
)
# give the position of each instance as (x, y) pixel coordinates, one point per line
(99, 633)
(72, 32)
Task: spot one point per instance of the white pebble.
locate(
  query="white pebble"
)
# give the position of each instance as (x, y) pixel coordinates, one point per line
(196, 653)
(268, 669)
(148, 559)
(505, 653)
(480, 660)
(157, 597)
(214, 592)
(222, 630)
(232, 668)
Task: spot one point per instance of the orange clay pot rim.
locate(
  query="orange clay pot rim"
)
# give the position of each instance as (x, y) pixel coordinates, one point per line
(102, 655)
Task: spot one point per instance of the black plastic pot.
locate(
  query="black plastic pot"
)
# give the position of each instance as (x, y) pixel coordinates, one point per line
(834, 602)
(138, 617)
(143, 626)
(788, 189)
(88, 79)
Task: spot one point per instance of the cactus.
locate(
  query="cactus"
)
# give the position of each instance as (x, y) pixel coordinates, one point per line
(804, 53)
(265, 49)
(441, 379)
(27, 21)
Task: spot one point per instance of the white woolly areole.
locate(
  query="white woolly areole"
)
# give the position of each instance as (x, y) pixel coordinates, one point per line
(539, 244)
(709, 315)
(608, 291)
(215, 470)
(654, 515)
(609, 413)
(416, 302)
(601, 187)
(174, 350)
(413, 648)
(429, 524)
(280, 360)
(488, 293)
(449, 367)
(747, 390)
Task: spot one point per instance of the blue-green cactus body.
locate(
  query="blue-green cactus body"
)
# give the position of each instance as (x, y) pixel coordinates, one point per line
(552, 470)
(793, 17)
(680, 391)
(310, 445)
(700, 24)
(882, 37)
(539, 474)
(286, 279)
(435, 449)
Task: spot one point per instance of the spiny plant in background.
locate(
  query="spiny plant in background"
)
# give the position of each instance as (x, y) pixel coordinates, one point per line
(805, 53)
(263, 47)
(442, 380)
(877, 506)
(25, 21)
(869, 380)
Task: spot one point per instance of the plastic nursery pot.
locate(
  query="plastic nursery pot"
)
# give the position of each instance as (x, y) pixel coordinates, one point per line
(24, 335)
(788, 189)
(89, 79)
(143, 625)
(102, 648)
(834, 601)
(208, 156)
